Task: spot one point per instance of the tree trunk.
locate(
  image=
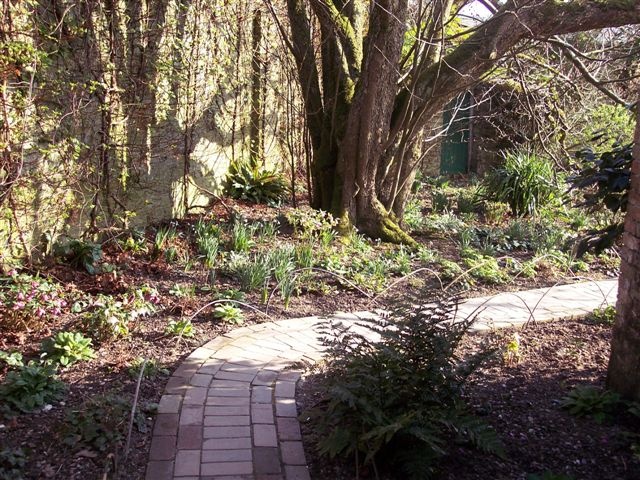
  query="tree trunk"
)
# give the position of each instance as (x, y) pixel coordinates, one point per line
(256, 130)
(623, 375)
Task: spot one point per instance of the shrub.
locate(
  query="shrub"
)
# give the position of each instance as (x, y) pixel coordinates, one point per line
(30, 387)
(67, 348)
(399, 398)
(309, 223)
(604, 179)
(26, 300)
(525, 181)
(100, 422)
(79, 254)
(256, 183)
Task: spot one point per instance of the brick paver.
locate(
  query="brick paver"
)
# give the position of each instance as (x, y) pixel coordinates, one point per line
(229, 410)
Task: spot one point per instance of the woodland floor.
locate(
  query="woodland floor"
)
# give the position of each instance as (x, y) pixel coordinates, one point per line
(520, 401)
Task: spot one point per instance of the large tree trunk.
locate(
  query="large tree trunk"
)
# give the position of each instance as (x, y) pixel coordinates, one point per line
(624, 365)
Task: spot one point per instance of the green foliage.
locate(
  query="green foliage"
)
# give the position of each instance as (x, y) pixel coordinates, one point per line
(12, 461)
(593, 402)
(182, 291)
(230, 294)
(525, 181)
(26, 300)
(241, 236)
(604, 180)
(30, 387)
(467, 202)
(152, 368)
(252, 272)
(136, 242)
(79, 254)
(440, 202)
(207, 236)
(100, 423)
(229, 314)
(449, 270)
(164, 237)
(108, 317)
(180, 328)
(67, 348)
(398, 400)
(311, 224)
(484, 267)
(606, 315)
(445, 224)
(13, 359)
(413, 217)
(255, 183)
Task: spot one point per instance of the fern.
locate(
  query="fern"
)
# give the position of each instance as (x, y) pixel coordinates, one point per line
(393, 390)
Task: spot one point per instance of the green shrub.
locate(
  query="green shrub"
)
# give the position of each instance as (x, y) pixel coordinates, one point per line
(467, 202)
(79, 254)
(100, 423)
(525, 181)
(255, 183)
(399, 399)
(12, 461)
(308, 223)
(67, 348)
(30, 387)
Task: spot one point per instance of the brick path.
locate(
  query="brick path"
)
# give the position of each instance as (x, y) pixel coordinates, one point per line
(229, 412)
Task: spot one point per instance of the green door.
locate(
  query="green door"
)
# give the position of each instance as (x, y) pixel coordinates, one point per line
(454, 157)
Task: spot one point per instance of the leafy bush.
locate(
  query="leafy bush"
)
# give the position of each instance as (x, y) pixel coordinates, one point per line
(399, 399)
(100, 422)
(12, 461)
(525, 181)
(30, 387)
(67, 348)
(256, 183)
(26, 300)
(79, 254)
(604, 180)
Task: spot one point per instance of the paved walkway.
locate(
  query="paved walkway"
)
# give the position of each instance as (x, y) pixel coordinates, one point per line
(229, 411)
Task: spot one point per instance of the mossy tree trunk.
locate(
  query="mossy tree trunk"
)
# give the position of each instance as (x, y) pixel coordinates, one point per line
(369, 98)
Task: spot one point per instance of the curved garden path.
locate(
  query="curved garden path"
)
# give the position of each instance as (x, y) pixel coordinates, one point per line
(229, 411)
